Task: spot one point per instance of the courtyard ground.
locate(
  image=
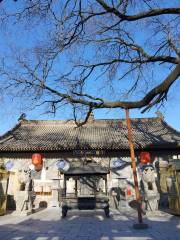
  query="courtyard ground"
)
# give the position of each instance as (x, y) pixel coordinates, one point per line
(87, 225)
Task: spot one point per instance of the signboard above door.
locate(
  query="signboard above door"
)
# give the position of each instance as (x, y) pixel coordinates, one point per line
(92, 152)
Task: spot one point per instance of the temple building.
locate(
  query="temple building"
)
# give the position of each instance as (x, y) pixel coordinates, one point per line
(100, 147)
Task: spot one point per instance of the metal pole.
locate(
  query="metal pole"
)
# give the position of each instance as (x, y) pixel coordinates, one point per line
(131, 146)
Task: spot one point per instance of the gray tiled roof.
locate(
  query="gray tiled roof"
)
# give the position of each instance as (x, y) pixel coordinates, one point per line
(102, 134)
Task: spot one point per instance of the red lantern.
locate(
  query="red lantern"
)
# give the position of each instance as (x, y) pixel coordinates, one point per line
(38, 168)
(145, 157)
(37, 159)
(128, 192)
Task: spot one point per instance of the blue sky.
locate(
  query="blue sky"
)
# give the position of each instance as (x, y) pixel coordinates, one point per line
(10, 109)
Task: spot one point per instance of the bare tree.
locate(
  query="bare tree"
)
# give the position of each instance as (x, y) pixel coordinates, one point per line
(96, 53)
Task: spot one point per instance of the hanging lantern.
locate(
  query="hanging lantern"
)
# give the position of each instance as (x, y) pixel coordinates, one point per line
(37, 159)
(128, 192)
(38, 168)
(145, 157)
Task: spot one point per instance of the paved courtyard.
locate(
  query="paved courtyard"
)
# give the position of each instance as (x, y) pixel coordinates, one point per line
(87, 225)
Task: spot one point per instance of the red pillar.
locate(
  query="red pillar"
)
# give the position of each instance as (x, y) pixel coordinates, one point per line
(131, 146)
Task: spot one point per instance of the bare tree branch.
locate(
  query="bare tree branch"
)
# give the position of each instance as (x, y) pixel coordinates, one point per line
(151, 13)
(92, 49)
(159, 90)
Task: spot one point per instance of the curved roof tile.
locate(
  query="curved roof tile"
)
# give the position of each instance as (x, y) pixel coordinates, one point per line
(101, 134)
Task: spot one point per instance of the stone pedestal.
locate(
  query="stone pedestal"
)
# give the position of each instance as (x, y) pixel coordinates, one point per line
(152, 201)
(55, 201)
(55, 193)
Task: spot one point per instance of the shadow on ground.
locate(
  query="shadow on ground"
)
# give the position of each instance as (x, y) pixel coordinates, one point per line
(87, 225)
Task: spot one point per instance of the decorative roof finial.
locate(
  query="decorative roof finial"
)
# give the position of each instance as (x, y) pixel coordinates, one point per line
(91, 118)
(22, 117)
(159, 115)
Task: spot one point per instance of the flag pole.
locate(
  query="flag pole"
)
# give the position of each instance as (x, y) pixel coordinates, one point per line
(133, 161)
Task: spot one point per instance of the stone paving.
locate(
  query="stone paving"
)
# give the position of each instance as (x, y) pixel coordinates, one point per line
(87, 225)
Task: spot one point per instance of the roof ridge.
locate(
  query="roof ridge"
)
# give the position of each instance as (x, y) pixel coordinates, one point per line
(71, 121)
(6, 134)
(47, 121)
(171, 128)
